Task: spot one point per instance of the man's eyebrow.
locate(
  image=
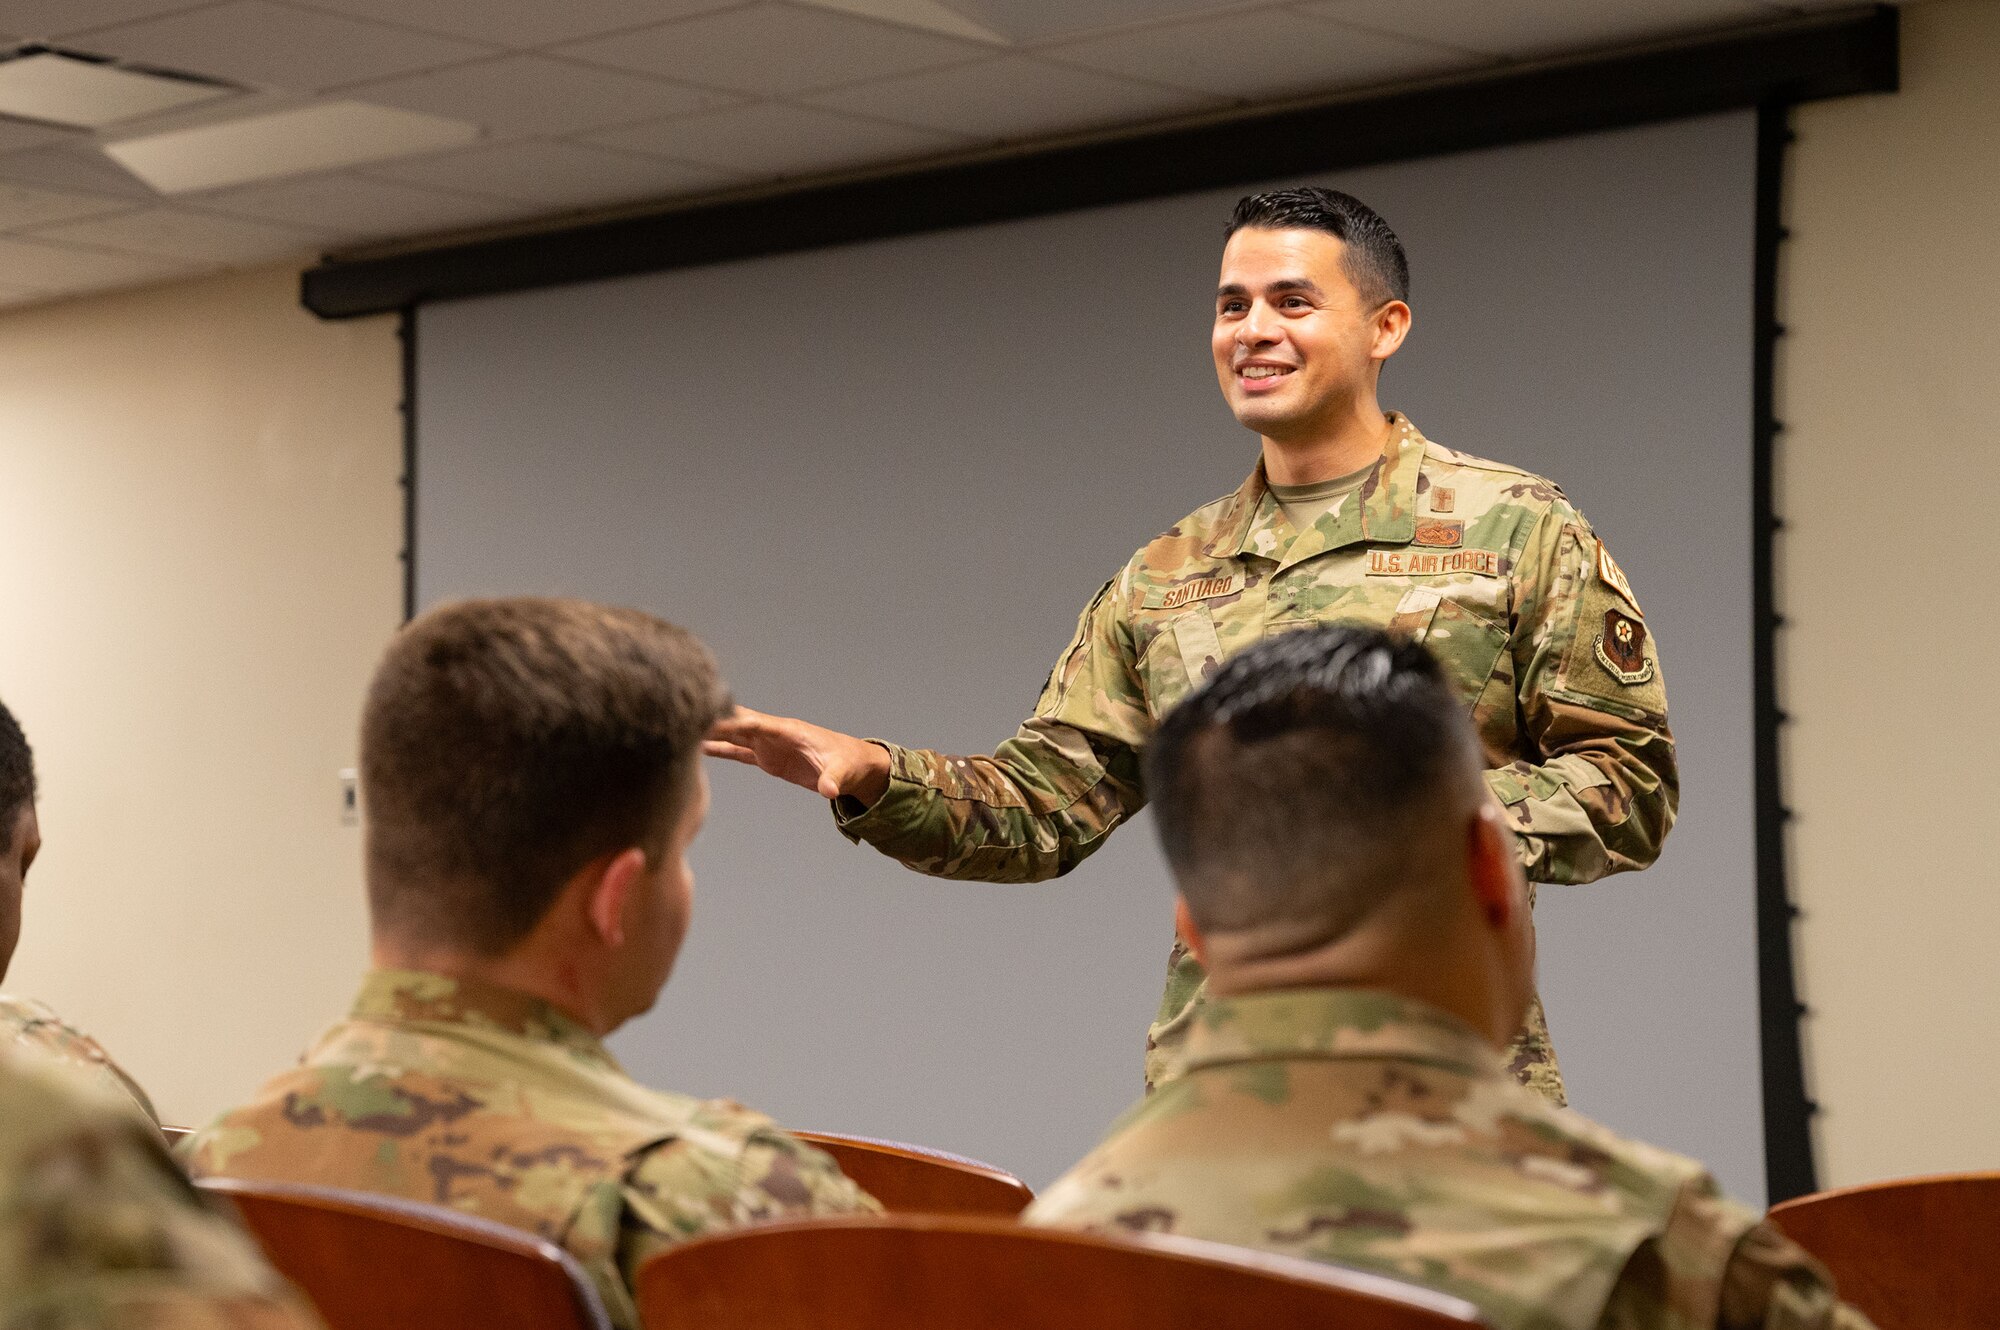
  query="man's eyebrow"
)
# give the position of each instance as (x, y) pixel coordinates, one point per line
(1305, 284)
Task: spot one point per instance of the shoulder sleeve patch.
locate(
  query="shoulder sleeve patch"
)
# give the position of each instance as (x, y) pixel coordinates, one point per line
(1609, 573)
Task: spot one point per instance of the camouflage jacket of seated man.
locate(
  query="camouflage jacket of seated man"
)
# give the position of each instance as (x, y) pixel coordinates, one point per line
(1367, 1130)
(99, 1230)
(497, 1104)
(25, 1023)
(1489, 566)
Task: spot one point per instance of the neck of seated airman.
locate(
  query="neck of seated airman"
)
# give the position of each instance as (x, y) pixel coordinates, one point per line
(459, 1092)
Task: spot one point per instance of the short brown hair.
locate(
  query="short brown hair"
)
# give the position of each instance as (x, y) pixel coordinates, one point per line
(507, 743)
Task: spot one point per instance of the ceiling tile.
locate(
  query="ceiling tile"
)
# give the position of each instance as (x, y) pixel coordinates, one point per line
(1010, 97)
(354, 205)
(18, 134)
(27, 205)
(19, 295)
(774, 48)
(567, 174)
(930, 15)
(535, 95)
(42, 19)
(1268, 53)
(77, 168)
(772, 139)
(522, 23)
(46, 266)
(1522, 28)
(174, 233)
(253, 41)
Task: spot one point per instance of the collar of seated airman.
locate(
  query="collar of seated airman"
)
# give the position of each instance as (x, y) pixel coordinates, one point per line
(1334, 1023)
(419, 996)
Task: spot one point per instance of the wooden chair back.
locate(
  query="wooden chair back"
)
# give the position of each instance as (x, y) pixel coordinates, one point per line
(372, 1262)
(956, 1272)
(911, 1179)
(1913, 1252)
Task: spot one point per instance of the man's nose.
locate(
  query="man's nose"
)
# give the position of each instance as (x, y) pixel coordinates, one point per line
(1259, 326)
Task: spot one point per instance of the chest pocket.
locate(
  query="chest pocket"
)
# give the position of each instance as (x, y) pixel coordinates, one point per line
(1465, 642)
(1184, 652)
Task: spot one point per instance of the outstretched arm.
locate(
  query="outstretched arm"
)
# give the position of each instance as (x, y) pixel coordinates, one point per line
(1034, 809)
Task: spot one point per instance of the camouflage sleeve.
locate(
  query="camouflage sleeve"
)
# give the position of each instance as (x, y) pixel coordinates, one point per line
(1716, 1266)
(1047, 797)
(1602, 795)
(32, 1024)
(689, 1186)
(99, 1229)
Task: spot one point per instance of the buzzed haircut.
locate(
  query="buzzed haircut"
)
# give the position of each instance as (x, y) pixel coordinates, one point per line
(1290, 787)
(1374, 258)
(17, 776)
(507, 743)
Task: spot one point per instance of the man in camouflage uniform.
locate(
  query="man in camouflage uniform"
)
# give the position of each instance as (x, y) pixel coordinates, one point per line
(529, 770)
(23, 1021)
(1343, 1097)
(98, 1229)
(1351, 516)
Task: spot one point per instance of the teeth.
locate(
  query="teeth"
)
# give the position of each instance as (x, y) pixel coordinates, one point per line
(1263, 371)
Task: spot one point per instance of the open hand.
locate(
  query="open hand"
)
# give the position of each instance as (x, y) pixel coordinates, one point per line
(825, 761)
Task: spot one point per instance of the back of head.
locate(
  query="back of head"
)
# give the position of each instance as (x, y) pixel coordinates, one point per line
(507, 743)
(1314, 779)
(17, 778)
(1375, 260)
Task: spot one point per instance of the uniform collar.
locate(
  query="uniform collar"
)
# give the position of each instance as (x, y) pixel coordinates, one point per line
(1334, 1023)
(420, 997)
(1386, 513)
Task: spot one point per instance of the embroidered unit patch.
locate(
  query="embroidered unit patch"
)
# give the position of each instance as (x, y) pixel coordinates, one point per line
(1621, 649)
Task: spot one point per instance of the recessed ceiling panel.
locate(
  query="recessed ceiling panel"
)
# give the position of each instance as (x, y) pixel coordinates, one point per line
(1261, 54)
(252, 41)
(1523, 28)
(176, 233)
(1032, 20)
(556, 174)
(61, 89)
(772, 139)
(538, 96)
(523, 23)
(321, 137)
(355, 205)
(776, 49)
(1011, 97)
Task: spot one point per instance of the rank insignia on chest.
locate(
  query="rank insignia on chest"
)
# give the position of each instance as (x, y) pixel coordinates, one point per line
(1442, 499)
(1439, 534)
(1621, 648)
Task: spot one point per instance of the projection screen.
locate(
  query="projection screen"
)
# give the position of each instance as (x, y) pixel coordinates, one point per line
(882, 480)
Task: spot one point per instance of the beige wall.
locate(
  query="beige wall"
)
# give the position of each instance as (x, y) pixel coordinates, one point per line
(1890, 388)
(199, 521)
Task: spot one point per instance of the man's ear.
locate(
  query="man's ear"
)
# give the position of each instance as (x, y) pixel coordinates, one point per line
(1185, 926)
(1392, 325)
(607, 899)
(1489, 866)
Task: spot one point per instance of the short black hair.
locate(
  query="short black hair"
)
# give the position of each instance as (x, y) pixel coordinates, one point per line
(1288, 788)
(1375, 260)
(507, 743)
(17, 776)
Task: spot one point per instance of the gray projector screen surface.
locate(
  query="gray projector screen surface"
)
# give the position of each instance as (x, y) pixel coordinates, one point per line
(882, 481)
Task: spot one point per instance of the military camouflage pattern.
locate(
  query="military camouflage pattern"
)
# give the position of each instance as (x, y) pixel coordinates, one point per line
(1367, 1130)
(1488, 566)
(99, 1230)
(25, 1023)
(495, 1103)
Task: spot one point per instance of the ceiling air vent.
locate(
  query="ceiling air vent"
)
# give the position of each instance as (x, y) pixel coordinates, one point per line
(80, 91)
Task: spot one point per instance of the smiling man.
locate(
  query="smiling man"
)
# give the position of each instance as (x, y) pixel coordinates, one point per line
(1350, 516)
